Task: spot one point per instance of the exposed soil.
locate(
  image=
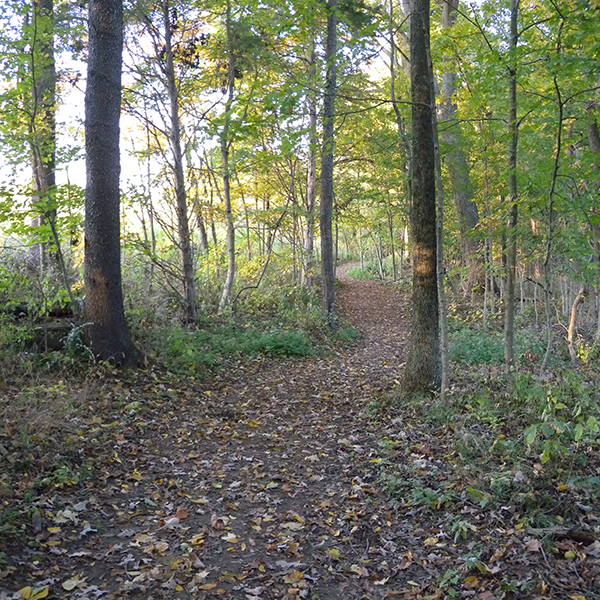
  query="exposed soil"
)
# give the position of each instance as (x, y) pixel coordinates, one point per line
(267, 483)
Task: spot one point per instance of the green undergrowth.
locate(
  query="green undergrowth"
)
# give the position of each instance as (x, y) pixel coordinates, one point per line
(190, 351)
(476, 347)
(373, 270)
(529, 458)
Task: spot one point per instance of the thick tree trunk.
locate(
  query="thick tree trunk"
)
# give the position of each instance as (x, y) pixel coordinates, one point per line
(423, 367)
(326, 216)
(456, 160)
(513, 215)
(183, 226)
(108, 334)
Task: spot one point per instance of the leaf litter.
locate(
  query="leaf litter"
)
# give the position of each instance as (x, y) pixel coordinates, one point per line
(273, 481)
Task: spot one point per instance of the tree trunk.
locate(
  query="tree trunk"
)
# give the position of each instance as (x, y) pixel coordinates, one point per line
(456, 160)
(593, 136)
(579, 299)
(183, 226)
(439, 187)
(225, 156)
(108, 334)
(326, 216)
(550, 235)
(423, 367)
(511, 249)
(311, 179)
(42, 125)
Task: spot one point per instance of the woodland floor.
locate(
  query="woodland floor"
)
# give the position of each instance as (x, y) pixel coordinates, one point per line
(270, 482)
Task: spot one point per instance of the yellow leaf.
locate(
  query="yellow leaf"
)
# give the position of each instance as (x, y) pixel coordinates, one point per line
(293, 577)
(570, 555)
(432, 541)
(482, 568)
(577, 597)
(39, 593)
(207, 586)
(198, 539)
(335, 553)
(25, 593)
(53, 529)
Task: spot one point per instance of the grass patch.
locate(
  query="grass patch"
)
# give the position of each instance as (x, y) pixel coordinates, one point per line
(475, 347)
(194, 351)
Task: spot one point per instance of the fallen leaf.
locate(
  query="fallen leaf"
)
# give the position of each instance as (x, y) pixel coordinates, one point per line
(293, 577)
(406, 561)
(70, 584)
(169, 523)
(533, 545)
(207, 586)
(359, 570)
(217, 522)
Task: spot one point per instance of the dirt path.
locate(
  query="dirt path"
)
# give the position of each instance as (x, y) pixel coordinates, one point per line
(258, 486)
(278, 480)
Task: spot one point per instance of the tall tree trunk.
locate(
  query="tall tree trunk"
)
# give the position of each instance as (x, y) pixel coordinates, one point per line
(513, 215)
(311, 178)
(108, 333)
(593, 135)
(225, 156)
(550, 235)
(456, 159)
(327, 193)
(42, 125)
(439, 188)
(396, 105)
(183, 226)
(423, 367)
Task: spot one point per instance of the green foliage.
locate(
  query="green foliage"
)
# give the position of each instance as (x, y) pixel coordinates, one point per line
(196, 351)
(475, 347)
(372, 270)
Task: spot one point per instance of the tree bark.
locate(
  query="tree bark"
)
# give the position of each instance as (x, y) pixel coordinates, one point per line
(311, 178)
(42, 126)
(108, 334)
(593, 135)
(225, 156)
(183, 226)
(327, 192)
(423, 367)
(579, 299)
(513, 215)
(456, 160)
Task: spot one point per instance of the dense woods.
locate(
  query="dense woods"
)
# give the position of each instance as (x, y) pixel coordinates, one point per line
(180, 179)
(226, 109)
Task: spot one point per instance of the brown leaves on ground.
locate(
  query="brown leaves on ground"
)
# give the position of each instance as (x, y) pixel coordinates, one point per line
(270, 482)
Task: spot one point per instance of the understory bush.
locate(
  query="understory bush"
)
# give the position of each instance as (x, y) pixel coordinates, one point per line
(477, 347)
(195, 351)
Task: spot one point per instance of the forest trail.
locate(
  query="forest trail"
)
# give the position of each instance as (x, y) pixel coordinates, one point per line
(281, 479)
(258, 485)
